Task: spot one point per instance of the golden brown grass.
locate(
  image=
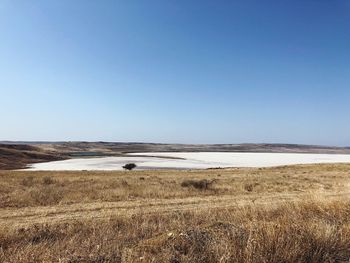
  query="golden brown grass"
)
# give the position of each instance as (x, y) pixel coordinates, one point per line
(285, 214)
(303, 232)
(23, 189)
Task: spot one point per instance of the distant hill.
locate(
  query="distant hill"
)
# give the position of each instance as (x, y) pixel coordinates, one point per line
(17, 156)
(132, 147)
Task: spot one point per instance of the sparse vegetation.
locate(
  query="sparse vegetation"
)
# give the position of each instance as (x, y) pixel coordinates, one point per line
(315, 231)
(284, 214)
(203, 184)
(48, 180)
(249, 187)
(28, 181)
(16, 188)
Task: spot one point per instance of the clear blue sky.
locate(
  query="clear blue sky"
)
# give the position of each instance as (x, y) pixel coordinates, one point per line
(176, 71)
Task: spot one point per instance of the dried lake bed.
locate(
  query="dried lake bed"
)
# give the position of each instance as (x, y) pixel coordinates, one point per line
(190, 160)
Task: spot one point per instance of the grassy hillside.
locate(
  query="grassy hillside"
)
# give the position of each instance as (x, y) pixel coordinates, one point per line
(18, 156)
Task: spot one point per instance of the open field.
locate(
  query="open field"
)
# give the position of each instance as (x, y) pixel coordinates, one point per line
(283, 214)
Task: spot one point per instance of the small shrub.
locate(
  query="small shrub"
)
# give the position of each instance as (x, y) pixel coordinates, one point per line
(129, 166)
(248, 187)
(28, 181)
(49, 195)
(203, 184)
(125, 183)
(47, 180)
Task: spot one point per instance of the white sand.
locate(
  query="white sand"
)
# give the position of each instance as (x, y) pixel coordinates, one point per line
(193, 160)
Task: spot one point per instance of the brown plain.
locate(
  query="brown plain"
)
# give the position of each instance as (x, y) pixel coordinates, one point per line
(282, 214)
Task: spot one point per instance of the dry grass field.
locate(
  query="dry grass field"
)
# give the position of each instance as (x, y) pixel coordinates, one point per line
(282, 214)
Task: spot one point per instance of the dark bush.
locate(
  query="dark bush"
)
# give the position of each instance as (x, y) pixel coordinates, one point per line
(129, 166)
